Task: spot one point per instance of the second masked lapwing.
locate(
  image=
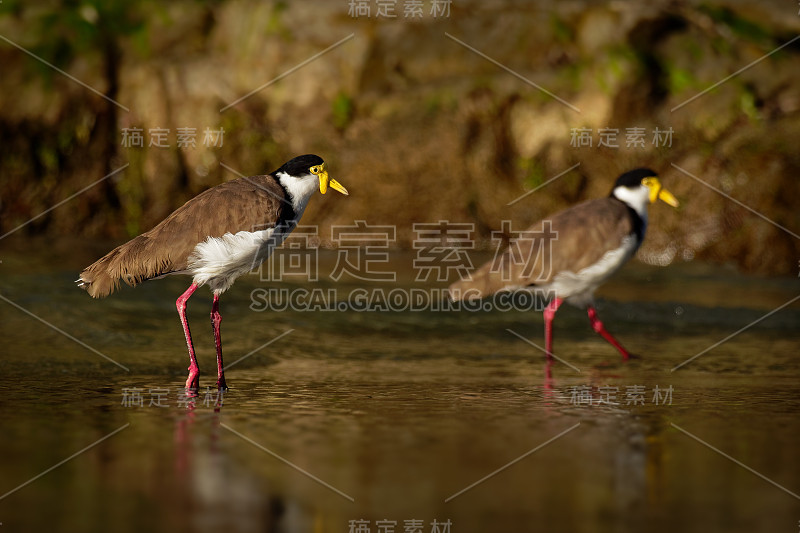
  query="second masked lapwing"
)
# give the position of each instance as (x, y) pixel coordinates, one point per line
(217, 236)
(571, 253)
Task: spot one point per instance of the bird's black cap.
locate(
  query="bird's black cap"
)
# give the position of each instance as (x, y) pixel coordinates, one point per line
(633, 178)
(299, 165)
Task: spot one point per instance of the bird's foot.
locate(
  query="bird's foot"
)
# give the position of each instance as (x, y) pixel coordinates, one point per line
(193, 381)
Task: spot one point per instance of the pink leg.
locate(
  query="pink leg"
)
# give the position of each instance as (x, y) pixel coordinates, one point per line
(549, 314)
(216, 318)
(598, 327)
(193, 381)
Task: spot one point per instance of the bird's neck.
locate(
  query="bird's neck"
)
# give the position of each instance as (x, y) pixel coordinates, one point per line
(299, 190)
(637, 199)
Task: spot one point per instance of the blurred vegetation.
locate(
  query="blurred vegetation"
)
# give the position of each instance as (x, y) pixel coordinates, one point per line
(342, 109)
(418, 127)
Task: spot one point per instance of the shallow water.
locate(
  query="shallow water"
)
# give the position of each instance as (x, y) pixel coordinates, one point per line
(377, 416)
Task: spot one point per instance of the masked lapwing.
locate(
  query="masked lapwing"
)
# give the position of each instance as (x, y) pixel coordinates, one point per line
(217, 236)
(567, 256)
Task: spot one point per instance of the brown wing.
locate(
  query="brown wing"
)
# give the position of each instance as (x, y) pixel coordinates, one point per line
(572, 239)
(244, 204)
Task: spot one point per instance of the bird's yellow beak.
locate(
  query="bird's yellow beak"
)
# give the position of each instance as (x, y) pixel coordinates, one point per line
(657, 192)
(325, 181)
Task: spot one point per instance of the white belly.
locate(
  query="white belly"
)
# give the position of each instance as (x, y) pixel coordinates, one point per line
(218, 261)
(578, 288)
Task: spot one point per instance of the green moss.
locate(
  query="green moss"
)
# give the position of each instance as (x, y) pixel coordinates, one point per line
(342, 108)
(140, 41)
(131, 192)
(48, 157)
(432, 105)
(721, 46)
(616, 66)
(276, 24)
(12, 7)
(439, 101)
(694, 49)
(623, 52)
(572, 74)
(747, 103)
(738, 24)
(533, 172)
(679, 79)
(562, 33)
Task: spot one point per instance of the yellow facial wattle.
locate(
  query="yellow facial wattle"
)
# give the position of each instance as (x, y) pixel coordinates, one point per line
(325, 181)
(658, 192)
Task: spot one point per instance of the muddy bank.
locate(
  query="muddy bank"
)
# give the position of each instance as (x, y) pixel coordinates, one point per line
(410, 116)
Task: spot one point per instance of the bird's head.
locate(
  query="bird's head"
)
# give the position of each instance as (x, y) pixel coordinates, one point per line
(640, 186)
(305, 166)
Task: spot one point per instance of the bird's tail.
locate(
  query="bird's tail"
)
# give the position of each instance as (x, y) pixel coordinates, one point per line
(129, 262)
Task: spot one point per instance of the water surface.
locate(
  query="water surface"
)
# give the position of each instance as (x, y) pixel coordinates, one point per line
(391, 415)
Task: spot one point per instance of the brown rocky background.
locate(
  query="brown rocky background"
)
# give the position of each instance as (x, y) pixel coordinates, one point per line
(417, 126)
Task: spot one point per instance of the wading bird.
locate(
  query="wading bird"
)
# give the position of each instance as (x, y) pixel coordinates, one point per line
(571, 253)
(217, 236)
